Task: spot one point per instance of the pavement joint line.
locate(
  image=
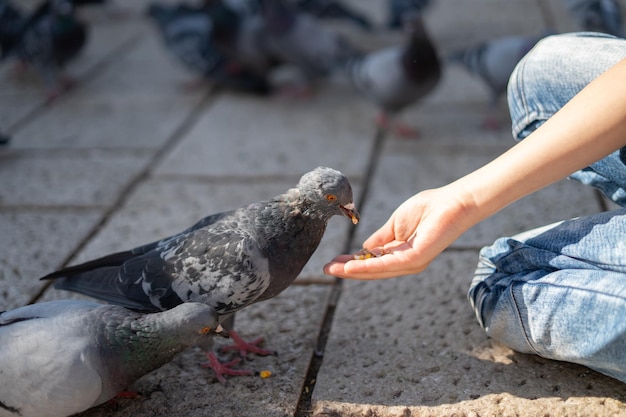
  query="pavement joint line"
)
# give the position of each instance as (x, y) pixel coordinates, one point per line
(234, 179)
(50, 208)
(304, 407)
(185, 126)
(95, 69)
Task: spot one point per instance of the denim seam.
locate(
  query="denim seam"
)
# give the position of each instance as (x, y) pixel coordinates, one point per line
(521, 322)
(530, 115)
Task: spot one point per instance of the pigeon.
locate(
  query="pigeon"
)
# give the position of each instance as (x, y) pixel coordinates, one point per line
(5, 138)
(49, 38)
(398, 76)
(62, 357)
(333, 9)
(401, 11)
(188, 33)
(242, 38)
(228, 260)
(11, 24)
(493, 62)
(597, 15)
(321, 9)
(299, 39)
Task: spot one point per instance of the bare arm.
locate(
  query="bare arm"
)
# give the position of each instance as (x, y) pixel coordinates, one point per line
(588, 128)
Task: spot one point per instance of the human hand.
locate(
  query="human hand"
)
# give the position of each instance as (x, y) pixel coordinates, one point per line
(418, 230)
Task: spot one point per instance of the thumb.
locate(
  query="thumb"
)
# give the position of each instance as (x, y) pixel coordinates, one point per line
(382, 236)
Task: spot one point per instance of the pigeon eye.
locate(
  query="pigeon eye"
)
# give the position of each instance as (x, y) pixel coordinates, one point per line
(331, 197)
(205, 330)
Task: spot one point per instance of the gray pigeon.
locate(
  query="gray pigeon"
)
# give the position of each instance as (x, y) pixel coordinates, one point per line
(228, 260)
(493, 62)
(401, 11)
(597, 15)
(202, 39)
(398, 76)
(59, 358)
(50, 37)
(299, 39)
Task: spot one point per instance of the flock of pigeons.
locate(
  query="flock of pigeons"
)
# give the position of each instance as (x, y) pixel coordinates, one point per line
(59, 358)
(237, 44)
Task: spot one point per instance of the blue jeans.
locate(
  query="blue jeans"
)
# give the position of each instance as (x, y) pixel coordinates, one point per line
(559, 291)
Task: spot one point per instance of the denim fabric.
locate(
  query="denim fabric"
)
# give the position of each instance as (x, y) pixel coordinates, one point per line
(559, 291)
(549, 76)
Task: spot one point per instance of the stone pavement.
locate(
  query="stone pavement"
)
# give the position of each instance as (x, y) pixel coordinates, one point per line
(129, 156)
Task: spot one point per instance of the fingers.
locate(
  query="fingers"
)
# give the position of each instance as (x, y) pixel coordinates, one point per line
(399, 261)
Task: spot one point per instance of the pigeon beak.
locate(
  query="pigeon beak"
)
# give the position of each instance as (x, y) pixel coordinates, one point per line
(221, 331)
(350, 211)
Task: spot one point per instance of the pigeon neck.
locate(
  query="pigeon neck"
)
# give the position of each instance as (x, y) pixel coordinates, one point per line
(151, 341)
(419, 59)
(279, 17)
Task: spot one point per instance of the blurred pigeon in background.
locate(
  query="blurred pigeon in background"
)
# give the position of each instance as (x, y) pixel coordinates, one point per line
(401, 11)
(398, 76)
(188, 33)
(4, 138)
(228, 260)
(597, 15)
(11, 24)
(333, 9)
(49, 37)
(59, 358)
(299, 39)
(321, 9)
(242, 38)
(493, 62)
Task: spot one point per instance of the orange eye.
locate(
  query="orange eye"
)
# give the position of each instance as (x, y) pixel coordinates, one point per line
(205, 330)
(331, 197)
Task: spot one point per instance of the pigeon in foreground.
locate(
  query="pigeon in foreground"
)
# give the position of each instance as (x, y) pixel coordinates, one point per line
(228, 260)
(493, 62)
(189, 34)
(597, 15)
(49, 38)
(398, 76)
(59, 358)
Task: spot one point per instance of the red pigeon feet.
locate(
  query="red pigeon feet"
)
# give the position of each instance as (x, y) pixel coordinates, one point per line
(247, 347)
(222, 369)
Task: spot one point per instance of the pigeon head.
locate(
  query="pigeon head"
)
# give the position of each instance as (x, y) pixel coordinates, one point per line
(329, 192)
(197, 319)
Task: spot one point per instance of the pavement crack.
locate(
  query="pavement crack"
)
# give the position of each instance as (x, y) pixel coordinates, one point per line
(304, 407)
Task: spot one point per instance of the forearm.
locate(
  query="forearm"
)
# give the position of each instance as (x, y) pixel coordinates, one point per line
(591, 126)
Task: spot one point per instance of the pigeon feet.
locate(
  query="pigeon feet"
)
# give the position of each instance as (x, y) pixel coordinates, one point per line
(302, 91)
(244, 347)
(491, 123)
(222, 369)
(399, 129)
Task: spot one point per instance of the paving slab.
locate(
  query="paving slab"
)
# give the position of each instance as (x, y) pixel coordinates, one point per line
(411, 346)
(87, 178)
(25, 90)
(290, 323)
(35, 242)
(243, 136)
